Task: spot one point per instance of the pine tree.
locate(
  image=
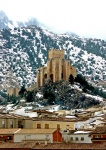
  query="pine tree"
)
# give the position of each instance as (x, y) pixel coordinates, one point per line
(71, 79)
(22, 91)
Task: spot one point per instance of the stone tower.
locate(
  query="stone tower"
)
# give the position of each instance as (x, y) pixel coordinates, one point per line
(58, 68)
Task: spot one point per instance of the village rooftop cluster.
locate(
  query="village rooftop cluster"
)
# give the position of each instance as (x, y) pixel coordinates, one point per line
(50, 125)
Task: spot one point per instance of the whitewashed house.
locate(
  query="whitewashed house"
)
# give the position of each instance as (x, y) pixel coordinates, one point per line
(77, 137)
(87, 124)
(38, 135)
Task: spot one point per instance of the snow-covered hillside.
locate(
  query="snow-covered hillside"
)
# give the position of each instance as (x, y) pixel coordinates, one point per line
(23, 50)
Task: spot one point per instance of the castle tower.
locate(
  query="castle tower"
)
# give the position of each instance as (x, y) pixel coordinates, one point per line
(58, 68)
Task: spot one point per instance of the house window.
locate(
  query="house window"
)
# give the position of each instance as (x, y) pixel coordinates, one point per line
(3, 124)
(82, 138)
(38, 126)
(71, 138)
(76, 138)
(11, 124)
(58, 126)
(46, 126)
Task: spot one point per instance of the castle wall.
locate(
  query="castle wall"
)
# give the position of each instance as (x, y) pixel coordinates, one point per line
(57, 68)
(49, 68)
(73, 71)
(13, 91)
(56, 54)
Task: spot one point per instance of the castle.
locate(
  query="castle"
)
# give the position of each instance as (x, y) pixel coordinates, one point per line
(58, 68)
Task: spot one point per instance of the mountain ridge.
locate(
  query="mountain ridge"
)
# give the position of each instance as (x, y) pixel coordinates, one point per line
(24, 49)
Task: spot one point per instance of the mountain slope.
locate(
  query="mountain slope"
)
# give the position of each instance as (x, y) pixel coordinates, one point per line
(23, 50)
(6, 23)
(67, 95)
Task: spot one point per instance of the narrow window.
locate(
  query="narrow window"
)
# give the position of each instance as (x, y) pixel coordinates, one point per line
(76, 139)
(51, 77)
(3, 124)
(11, 124)
(46, 126)
(45, 76)
(61, 75)
(82, 138)
(38, 126)
(58, 126)
(71, 138)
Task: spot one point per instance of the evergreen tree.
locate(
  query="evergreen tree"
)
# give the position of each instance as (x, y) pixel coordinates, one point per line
(49, 92)
(29, 96)
(22, 91)
(71, 79)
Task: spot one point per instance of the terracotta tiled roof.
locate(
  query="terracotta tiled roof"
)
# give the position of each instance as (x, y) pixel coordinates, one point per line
(101, 129)
(44, 111)
(70, 146)
(4, 116)
(60, 119)
(9, 131)
(53, 146)
(35, 131)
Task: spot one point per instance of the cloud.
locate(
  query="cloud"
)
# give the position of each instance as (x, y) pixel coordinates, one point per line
(84, 17)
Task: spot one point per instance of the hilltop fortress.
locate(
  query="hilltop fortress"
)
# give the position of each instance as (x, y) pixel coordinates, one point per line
(58, 68)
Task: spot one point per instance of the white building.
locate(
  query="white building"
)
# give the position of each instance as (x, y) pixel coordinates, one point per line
(77, 137)
(38, 135)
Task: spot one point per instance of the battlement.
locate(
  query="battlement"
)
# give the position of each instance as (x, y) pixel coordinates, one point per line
(53, 53)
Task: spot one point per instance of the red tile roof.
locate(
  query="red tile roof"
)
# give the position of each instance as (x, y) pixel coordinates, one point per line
(9, 131)
(34, 145)
(101, 129)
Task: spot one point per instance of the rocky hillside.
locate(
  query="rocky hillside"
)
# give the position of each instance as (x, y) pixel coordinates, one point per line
(23, 50)
(62, 93)
(67, 95)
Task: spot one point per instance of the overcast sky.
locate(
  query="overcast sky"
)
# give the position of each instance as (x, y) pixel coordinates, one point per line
(86, 18)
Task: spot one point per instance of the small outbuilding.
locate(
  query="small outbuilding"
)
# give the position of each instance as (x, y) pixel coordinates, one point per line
(73, 136)
(38, 135)
(99, 135)
(7, 135)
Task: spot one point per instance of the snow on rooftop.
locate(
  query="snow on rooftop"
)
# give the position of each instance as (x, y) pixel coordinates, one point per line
(22, 112)
(97, 122)
(79, 132)
(70, 117)
(100, 115)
